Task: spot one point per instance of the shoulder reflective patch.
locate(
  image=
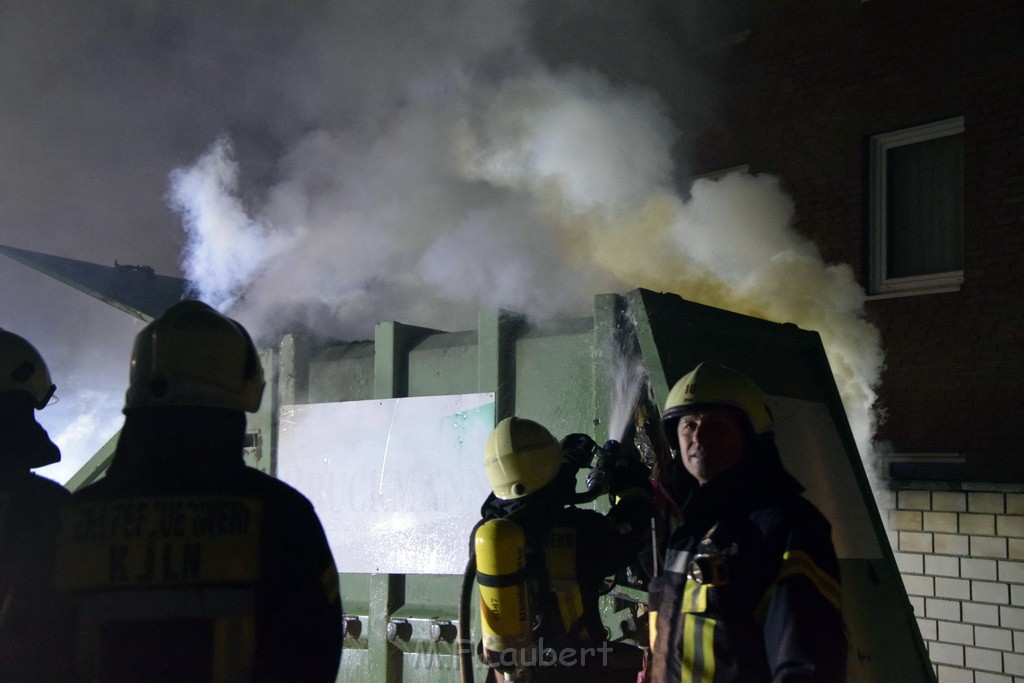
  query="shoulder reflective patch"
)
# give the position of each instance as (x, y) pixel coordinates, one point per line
(159, 541)
(799, 563)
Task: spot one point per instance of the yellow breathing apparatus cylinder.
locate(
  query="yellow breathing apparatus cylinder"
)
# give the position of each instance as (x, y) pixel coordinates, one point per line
(505, 610)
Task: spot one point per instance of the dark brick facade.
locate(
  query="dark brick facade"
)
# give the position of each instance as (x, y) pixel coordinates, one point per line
(808, 85)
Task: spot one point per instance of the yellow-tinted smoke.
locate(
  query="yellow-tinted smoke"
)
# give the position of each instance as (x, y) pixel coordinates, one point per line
(785, 282)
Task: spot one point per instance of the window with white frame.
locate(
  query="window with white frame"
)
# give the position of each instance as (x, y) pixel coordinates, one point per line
(916, 200)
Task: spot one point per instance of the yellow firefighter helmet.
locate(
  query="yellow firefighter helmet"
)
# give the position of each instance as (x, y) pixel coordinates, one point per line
(521, 457)
(23, 369)
(194, 356)
(712, 384)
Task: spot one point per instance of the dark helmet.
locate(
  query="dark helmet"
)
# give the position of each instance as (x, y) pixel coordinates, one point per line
(23, 369)
(194, 356)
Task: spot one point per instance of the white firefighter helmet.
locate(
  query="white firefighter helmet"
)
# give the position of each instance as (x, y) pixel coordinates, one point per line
(521, 457)
(23, 369)
(194, 356)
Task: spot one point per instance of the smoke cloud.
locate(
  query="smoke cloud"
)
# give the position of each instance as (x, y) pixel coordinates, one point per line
(225, 248)
(476, 174)
(336, 163)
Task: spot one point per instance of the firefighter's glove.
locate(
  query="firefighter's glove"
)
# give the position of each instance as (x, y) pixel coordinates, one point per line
(620, 472)
(578, 450)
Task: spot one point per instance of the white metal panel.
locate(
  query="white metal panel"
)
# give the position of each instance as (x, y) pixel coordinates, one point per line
(397, 483)
(813, 453)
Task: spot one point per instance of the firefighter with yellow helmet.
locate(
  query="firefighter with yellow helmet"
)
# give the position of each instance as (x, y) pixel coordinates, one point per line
(28, 515)
(749, 585)
(541, 563)
(182, 563)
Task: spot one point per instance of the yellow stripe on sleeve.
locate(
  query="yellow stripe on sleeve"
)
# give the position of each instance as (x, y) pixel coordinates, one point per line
(799, 563)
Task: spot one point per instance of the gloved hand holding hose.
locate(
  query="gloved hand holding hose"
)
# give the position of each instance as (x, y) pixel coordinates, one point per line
(579, 450)
(618, 469)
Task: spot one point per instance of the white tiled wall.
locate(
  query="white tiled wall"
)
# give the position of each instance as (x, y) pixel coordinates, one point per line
(961, 554)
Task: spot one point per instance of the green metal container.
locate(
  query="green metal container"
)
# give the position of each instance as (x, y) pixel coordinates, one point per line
(386, 438)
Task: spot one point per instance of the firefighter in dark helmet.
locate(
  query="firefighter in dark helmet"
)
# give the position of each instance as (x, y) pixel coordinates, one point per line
(182, 563)
(542, 563)
(749, 587)
(28, 515)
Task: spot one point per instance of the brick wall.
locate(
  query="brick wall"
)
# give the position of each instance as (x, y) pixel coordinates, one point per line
(961, 554)
(809, 86)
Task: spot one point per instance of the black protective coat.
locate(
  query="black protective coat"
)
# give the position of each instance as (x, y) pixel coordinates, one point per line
(29, 621)
(184, 454)
(768, 609)
(605, 545)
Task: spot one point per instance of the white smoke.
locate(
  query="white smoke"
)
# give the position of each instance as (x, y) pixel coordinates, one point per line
(225, 247)
(735, 236)
(460, 171)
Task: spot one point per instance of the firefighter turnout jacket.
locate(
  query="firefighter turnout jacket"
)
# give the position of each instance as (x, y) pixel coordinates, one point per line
(29, 620)
(185, 566)
(569, 553)
(749, 588)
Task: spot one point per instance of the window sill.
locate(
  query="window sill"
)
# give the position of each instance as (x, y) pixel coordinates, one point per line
(913, 292)
(922, 466)
(941, 283)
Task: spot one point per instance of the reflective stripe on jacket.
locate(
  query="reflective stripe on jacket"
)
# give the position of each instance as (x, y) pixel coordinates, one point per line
(234, 582)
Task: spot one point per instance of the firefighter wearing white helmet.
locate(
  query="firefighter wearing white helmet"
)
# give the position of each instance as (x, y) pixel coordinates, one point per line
(541, 562)
(28, 515)
(749, 588)
(218, 570)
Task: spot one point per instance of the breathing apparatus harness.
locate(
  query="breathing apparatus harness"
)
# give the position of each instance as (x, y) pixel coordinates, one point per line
(498, 563)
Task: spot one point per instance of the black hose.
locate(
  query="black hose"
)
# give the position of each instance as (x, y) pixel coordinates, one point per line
(583, 497)
(465, 640)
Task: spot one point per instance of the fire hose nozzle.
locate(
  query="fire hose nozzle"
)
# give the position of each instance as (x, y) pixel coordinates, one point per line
(610, 449)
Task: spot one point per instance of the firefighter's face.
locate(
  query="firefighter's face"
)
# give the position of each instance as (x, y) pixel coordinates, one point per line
(711, 442)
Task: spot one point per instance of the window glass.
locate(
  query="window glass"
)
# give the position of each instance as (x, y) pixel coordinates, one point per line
(916, 219)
